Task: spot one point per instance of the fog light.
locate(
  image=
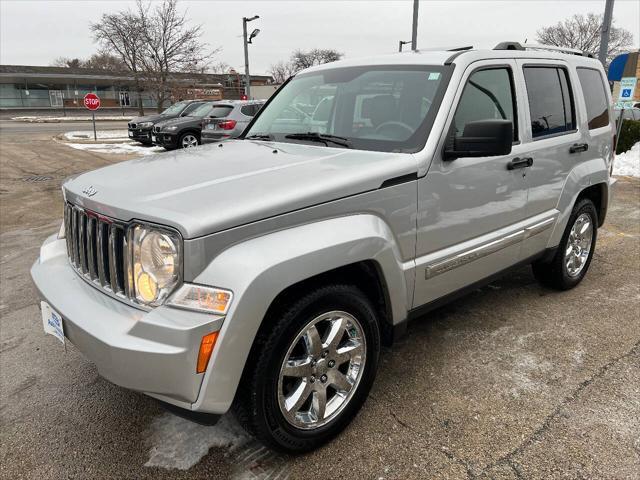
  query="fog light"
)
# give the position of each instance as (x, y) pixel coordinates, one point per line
(206, 348)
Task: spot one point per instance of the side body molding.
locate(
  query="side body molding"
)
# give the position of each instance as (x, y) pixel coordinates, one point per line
(258, 269)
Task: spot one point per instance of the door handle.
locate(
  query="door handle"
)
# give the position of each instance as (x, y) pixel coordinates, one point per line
(579, 147)
(518, 162)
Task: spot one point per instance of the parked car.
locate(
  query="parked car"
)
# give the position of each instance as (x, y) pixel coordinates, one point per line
(140, 127)
(228, 119)
(266, 273)
(182, 132)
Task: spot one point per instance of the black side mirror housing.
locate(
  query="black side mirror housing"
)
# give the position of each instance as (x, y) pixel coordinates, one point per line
(481, 138)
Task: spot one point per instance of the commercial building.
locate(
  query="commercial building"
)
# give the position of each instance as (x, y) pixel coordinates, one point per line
(25, 87)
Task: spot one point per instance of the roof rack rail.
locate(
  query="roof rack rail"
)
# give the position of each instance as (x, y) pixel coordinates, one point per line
(536, 46)
(460, 49)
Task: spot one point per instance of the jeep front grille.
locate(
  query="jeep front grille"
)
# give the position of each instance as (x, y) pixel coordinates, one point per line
(97, 246)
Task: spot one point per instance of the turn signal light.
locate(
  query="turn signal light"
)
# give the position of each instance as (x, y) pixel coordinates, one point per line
(206, 349)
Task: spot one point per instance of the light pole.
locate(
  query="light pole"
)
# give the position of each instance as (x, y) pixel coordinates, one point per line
(605, 31)
(414, 27)
(401, 43)
(247, 41)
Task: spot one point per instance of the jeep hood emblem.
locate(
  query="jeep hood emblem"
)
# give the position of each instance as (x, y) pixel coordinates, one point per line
(89, 191)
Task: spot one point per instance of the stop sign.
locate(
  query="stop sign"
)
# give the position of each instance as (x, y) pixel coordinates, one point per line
(92, 101)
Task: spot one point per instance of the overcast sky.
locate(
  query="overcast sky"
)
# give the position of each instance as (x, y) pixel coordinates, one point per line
(35, 32)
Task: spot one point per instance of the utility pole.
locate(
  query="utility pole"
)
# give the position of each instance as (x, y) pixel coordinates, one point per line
(605, 31)
(414, 29)
(247, 78)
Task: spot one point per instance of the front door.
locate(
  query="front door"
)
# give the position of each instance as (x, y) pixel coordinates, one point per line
(55, 98)
(470, 210)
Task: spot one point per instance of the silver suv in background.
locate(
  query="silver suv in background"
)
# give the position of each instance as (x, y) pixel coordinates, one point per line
(264, 274)
(228, 119)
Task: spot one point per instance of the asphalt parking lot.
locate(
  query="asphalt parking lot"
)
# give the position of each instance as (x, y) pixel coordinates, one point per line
(513, 381)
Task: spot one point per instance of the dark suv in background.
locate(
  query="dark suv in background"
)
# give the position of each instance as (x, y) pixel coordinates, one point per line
(184, 131)
(140, 127)
(228, 119)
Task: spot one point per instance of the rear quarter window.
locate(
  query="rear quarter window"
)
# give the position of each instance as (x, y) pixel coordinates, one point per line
(595, 97)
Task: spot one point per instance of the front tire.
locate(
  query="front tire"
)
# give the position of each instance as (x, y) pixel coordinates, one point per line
(188, 140)
(311, 370)
(573, 256)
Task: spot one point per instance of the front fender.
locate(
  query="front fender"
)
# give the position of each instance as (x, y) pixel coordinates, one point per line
(258, 269)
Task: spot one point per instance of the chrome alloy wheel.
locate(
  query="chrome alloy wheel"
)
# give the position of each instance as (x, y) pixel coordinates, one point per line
(578, 245)
(189, 141)
(321, 370)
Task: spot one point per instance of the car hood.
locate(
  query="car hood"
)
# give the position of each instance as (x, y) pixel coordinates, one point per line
(149, 118)
(214, 187)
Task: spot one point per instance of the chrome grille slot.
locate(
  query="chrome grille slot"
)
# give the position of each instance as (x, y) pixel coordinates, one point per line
(96, 248)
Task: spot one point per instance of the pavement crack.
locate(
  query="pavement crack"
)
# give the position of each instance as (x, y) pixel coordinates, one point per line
(572, 397)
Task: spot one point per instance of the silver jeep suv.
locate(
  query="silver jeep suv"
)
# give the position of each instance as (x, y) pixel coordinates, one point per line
(264, 273)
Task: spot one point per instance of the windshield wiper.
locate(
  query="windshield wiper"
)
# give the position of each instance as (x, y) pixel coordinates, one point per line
(321, 137)
(260, 136)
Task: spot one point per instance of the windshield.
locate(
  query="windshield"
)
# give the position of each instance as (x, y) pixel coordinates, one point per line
(201, 111)
(175, 109)
(381, 108)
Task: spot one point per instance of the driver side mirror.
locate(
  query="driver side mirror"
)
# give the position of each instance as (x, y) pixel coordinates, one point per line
(481, 138)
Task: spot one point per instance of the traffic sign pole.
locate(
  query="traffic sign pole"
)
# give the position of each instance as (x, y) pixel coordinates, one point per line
(95, 136)
(92, 102)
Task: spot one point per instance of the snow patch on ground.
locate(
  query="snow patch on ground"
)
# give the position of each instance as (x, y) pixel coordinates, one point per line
(116, 148)
(177, 443)
(101, 134)
(628, 163)
(180, 443)
(35, 119)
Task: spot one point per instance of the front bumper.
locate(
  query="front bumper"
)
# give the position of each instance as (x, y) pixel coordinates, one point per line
(164, 139)
(153, 352)
(140, 135)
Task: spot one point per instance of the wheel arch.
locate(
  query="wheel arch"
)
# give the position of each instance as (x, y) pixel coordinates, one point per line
(263, 271)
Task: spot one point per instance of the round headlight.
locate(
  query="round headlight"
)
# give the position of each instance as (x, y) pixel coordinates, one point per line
(159, 257)
(156, 264)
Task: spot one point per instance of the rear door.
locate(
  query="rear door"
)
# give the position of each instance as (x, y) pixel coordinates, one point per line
(557, 145)
(470, 208)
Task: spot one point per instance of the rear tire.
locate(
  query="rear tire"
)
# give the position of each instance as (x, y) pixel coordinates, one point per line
(271, 404)
(573, 256)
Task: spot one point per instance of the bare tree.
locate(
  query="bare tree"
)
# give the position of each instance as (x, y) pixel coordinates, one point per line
(583, 32)
(105, 61)
(300, 60)
(66, 62)
(120, 34)
(220, 67)
(281, 71)
(317, 56)
(170, 45)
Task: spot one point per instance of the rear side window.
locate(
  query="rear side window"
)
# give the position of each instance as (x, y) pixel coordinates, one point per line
(191, 107)
(488, 95)
(595, 97)
(550, 101)
(249, 110)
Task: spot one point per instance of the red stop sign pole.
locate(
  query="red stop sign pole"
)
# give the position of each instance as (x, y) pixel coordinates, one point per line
(92, 102)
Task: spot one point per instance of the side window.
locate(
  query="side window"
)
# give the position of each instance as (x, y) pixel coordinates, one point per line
(595, 97)
(248, 110)
(550, 100)
(488, 95)
(190, 108)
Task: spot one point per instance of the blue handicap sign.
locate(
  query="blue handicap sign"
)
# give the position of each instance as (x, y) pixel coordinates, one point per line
(626, 93)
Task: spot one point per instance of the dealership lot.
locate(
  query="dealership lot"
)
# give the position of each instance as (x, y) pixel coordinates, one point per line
(513, 381)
